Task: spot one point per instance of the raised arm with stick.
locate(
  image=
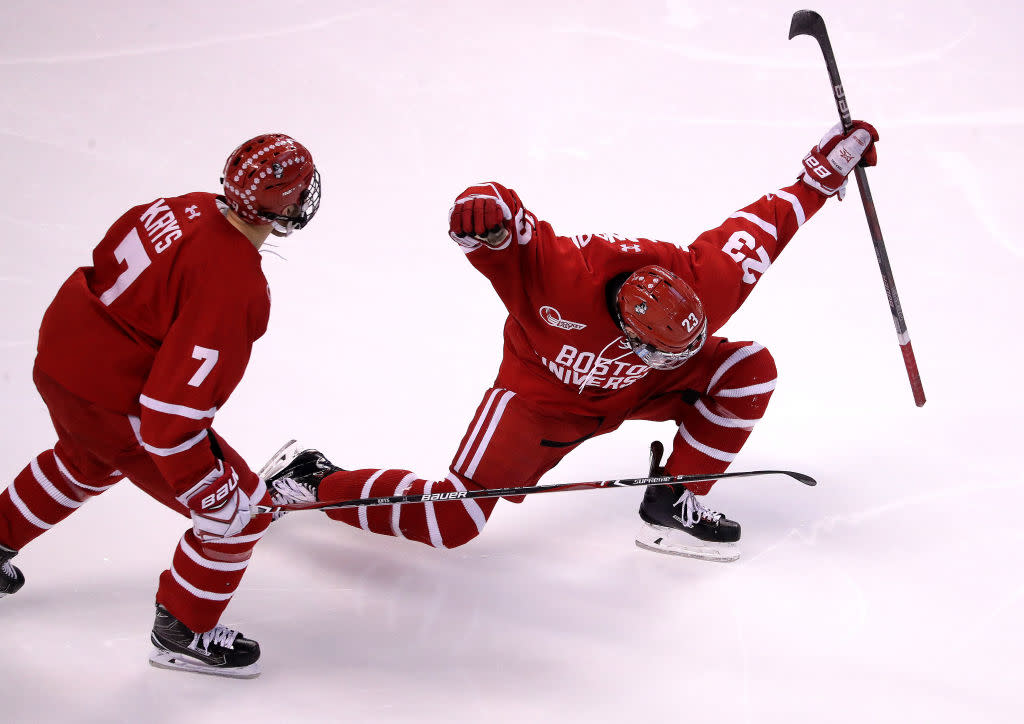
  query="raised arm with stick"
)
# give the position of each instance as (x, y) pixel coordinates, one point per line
(808, 22)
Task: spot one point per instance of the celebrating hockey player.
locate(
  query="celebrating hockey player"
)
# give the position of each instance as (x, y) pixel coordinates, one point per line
(136, 355)
(601, 329)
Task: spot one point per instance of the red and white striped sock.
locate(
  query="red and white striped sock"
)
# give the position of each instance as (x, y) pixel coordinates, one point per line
(442, 525)
(43, 494)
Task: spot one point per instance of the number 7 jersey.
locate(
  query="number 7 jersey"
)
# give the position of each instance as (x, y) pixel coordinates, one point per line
(161, 326)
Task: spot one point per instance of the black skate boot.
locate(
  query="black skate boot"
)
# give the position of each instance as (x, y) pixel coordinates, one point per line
(294, 474)
(220, 651)
(11, 579)
(676, 522)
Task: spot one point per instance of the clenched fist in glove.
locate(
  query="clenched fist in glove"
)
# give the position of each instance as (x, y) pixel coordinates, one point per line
(220, 508)
(487, 219)
(831, 161)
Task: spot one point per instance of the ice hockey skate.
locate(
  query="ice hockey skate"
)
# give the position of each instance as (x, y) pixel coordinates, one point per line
(11, 579)
(677, 523)
(221, 651)
(294, 474)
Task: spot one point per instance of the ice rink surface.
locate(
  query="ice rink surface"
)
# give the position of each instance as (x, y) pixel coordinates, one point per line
(892, 592)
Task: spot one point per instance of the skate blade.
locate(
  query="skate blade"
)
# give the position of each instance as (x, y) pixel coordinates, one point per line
(177, 662)
(279, 460)
(666, 540)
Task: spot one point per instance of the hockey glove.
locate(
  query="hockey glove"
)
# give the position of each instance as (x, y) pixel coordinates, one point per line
(486, 219)
(829, 163)
(220, 509)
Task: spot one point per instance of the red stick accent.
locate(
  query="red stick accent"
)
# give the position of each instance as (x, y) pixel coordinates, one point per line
(915, 377)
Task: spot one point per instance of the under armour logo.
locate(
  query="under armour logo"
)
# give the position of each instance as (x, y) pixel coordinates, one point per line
(630, 247)
(193, 212)
(845, 155)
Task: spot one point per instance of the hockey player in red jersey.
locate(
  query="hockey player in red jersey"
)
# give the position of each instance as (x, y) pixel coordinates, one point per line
(602, 329)
(136, 355)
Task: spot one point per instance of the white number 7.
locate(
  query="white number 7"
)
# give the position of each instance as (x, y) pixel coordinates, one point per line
(209, 358)
(132, 253)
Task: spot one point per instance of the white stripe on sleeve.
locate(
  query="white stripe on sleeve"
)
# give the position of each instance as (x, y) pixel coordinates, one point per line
(180, 410)
(163, 452)
(798, 209)
(757, 221)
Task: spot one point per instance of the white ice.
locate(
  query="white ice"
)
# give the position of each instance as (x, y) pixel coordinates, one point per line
(892, 592)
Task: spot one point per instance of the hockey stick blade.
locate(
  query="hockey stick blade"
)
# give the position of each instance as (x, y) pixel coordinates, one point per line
(526, 490)
(808, 22)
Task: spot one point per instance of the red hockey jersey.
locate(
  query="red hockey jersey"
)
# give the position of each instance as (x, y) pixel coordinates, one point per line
(160, 327)
(563, 348)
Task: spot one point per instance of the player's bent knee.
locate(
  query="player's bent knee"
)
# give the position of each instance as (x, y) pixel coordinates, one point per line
(745, 387)
(456, 523)
(755, 368)
(456, 537)
(760, 365)
(767, 362)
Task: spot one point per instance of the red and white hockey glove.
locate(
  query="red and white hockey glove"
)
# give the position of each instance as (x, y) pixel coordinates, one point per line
(219, 507)
(487, 219)
(829, 163)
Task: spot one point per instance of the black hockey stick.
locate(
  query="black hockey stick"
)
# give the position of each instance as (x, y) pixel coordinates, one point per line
(808, 22)
(525, 490)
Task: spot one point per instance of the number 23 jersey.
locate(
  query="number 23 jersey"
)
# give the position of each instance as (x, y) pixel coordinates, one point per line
(161, 326)
(563, 346)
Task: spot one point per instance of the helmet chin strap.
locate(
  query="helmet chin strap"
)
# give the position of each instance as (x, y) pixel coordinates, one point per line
(281, 229)
(282, 225)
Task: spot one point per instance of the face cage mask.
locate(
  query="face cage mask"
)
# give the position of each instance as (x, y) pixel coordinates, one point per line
(656, 359)
(309, 203)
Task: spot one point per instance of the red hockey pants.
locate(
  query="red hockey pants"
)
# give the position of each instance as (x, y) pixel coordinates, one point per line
(96, 448)
(715, 400)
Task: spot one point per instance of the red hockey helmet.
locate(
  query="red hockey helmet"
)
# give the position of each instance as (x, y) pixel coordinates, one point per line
(662, 317)
(266, 175)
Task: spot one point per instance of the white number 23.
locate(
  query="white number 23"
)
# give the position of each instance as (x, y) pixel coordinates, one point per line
(734, 248)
